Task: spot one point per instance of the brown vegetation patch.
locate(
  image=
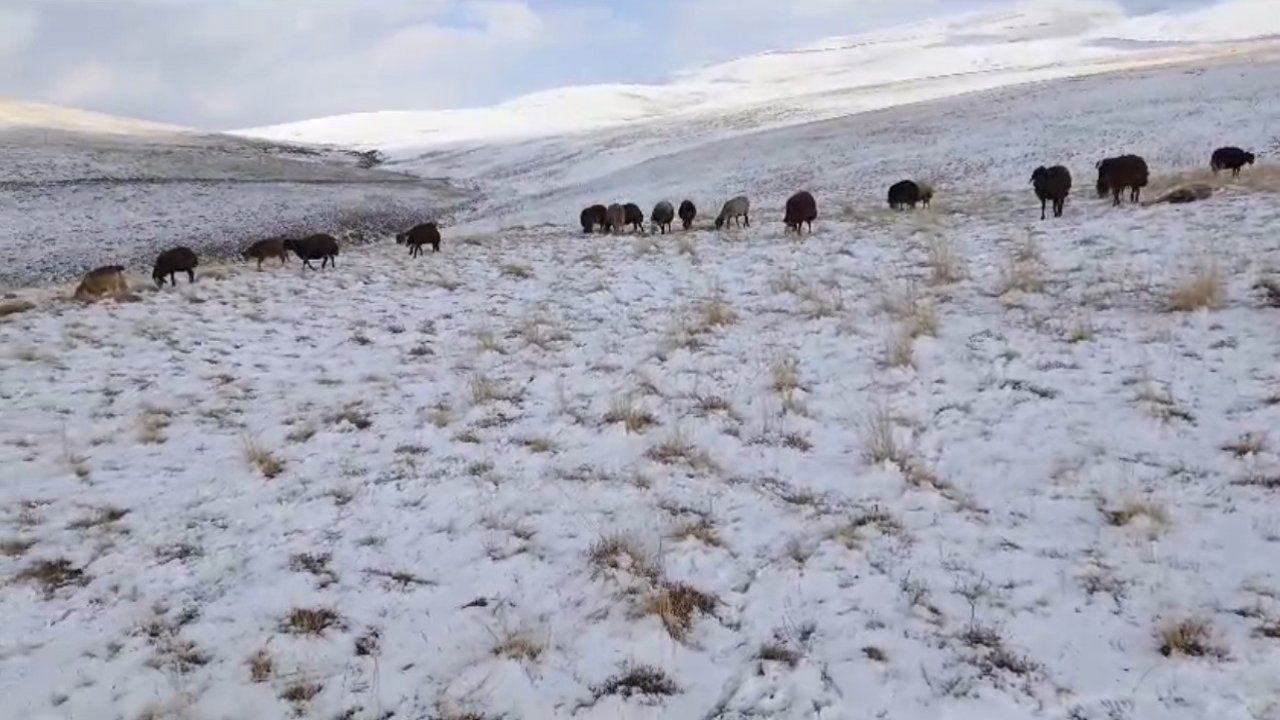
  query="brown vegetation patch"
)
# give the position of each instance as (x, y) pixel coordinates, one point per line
(53, 575)
(310, 621)
(676, 604)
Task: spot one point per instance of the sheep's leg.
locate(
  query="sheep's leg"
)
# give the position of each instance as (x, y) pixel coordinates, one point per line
(259, 263)
(191, 276)
(1055, 207)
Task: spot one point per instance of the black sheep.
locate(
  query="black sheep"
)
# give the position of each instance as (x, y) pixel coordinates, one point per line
(596, 215)
(1230, 158)
(632, 215)
(421, 234)
(904, 193)
(801, 208)
(1115, 174)
(662, 216)
(1053, 183)
(687, 213)
(173, 261)
(320, 246)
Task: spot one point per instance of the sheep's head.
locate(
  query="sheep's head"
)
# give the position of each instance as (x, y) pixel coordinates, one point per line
(720, 222)
(158, 277)
(1249, 158)
(401, 237)
(1039, 174)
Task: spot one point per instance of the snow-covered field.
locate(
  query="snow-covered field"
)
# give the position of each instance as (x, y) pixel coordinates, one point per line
(951, 463)
(79, 190)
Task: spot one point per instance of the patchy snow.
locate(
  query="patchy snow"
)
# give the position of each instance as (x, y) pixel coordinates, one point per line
(1029, 42)
(955, 462)
(79, 190)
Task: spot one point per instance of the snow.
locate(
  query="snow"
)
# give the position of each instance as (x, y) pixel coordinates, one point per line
(1072, 466)
(954, 462)
(79, 190)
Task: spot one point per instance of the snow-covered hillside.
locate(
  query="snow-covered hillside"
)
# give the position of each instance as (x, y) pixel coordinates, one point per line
(551, 141)
(79, 189)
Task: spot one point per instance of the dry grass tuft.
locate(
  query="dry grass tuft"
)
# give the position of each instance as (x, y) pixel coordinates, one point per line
(1246, 445)
(515, 270)
(701, 529)
(519, 646)
(677, 449)
(821, 302)
(316, 564)
(1191, 637)
(300, 692)
(261, 666)
(715, 312)
(100, 517)
(1025, 276)
(850, 534)
(632, 414)
(1133, 510)
(784, 375)
(675, 604)
(945, 266)
(900, 349)
(622, 553)
(262, 459)
(637, 680)
(53, 575)
(16, 547)
(1204, 289)
(310, 621)
(152, 424)
(486, 390)
(774, 651)
(351, 414)
(538, 444)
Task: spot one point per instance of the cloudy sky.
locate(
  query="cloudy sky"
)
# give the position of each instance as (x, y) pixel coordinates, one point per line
(221, 64)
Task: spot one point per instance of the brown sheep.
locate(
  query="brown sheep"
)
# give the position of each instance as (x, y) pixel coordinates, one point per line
(596, 215)
(663, 215)
(1115, 174)
(1053, 183)
(102, 282)
(1230, 158)
(926, 192)
(687, 213)
(264, 249)
(633, 216)
(738, 207)
(616, 218)
(801, 208)
(315, 247)
(173, 261)
(427, 233)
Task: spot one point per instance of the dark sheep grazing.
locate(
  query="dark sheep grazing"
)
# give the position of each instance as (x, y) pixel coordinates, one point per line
(738, 207)
(1115, 174)
(633, 216)
(687, 213)
(904, 193)
(801, 208)
(427, 233)
(264, 249)
(320, 246)
(591, 217)
(173, 261)
(663, 215)
(1052, 184)
(615, 219)
(1230, 158)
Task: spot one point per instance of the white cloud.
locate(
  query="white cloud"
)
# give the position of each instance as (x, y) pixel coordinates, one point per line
(17, 31)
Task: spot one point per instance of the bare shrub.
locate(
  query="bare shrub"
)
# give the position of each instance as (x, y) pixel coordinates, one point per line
(701, 529)
(261, 666)
(486, 390)
(715, 312)
(900, 349)
(152, 424)
(784, 375)
(678, 449)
